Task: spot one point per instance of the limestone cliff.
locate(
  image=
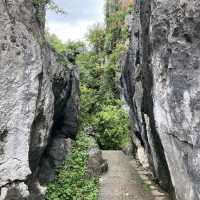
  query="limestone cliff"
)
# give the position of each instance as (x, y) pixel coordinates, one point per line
(39, 101)
(161, 84)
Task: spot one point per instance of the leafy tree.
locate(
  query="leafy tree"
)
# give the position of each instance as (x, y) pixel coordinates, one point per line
(99, 72)
(75, 47)
(55, 42)
(96, 37)
(70, 47)
(112, 126)
(51, 5)
(91, 70)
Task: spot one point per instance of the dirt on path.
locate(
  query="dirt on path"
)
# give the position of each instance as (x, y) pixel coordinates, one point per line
(126, 181)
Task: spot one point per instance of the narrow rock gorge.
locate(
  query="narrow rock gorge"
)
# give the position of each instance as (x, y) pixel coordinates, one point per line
(160, 82)
(161, 85)
(39, 102)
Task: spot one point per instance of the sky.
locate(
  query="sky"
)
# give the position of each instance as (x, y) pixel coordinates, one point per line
(80, 14)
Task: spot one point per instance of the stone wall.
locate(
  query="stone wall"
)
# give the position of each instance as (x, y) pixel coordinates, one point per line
(39, 101)
(161, 84)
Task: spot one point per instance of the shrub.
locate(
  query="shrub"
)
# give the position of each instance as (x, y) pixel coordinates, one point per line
(90, 69)
(112, 128)
(96, 37)
(112, 69)
(88, 106)
(72, 182)
(69, 47)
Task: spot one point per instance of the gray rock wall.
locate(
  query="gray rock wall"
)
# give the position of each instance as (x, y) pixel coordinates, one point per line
(39, 100)
(161, 84)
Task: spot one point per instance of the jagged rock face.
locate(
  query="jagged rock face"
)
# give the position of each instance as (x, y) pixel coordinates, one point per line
(34, 89)
(162, 85)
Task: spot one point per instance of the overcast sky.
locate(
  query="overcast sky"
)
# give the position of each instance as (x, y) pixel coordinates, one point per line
(80, 14)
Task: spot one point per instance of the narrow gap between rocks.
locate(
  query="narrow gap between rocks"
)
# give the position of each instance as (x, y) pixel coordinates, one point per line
(100, 164)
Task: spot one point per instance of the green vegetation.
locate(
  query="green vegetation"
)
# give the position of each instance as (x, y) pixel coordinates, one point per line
(96, 38)
(70, 47)
(65, 50)
(112, 125)
(39, 2)
(72, 182)
(99, 72)
(50, 4)
(41, 5)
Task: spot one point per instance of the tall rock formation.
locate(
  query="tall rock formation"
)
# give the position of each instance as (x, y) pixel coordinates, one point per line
(39, 101)
(161, 84)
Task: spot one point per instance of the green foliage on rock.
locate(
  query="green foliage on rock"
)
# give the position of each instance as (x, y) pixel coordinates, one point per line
(55, 42)
(42, 5)
(88, 106)
(72, 182)
(49, 4)
(113, 70)
(39, 2)
(69, 49)
(116, 29)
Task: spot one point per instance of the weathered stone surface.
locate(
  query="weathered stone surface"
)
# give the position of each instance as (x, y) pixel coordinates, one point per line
(57, 151)
(34, 88)
(96, 164)
(161, 85)
(129, 150)
(16, 191)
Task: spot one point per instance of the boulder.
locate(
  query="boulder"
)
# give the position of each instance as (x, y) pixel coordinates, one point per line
(96, 164)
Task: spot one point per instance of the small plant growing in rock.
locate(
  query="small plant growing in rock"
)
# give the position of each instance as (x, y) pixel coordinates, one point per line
(41, 5)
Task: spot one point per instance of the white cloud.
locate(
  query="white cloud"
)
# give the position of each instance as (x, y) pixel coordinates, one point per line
(66, 30)
(75, 24)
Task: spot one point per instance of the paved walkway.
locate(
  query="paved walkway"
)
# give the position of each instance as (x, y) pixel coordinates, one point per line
(125, 181)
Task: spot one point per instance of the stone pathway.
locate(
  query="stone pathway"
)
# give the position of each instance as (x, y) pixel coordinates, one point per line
(126, 181)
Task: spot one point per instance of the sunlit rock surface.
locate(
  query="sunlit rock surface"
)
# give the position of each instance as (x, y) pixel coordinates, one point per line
(34, 88)
(161, 83)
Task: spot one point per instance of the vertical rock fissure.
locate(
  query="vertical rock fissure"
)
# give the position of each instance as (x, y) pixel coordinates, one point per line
(162, 172)
(34, 150)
